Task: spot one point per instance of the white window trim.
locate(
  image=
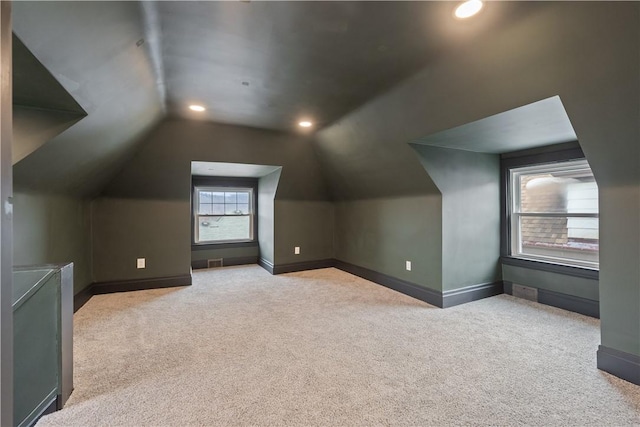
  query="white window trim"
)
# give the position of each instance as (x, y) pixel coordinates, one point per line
(196, 215)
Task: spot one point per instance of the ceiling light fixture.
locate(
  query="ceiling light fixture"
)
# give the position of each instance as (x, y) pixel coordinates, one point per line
(468, 9)
(305, 124)
(198, 108)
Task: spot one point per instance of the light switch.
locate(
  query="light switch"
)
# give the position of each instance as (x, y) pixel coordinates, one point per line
(141, 263)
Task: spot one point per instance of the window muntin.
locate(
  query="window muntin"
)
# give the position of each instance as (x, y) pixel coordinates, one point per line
(554, 213)
(223, 214)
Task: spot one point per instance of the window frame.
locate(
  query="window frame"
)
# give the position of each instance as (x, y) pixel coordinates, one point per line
(544, 155)
(225, 184)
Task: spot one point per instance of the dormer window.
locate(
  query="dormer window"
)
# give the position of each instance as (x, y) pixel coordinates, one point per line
(553, 213)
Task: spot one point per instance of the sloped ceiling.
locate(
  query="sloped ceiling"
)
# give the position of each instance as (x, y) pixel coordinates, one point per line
(42, 108)
(256, 64)
(540, 123)
(270, 64)
(91, 49)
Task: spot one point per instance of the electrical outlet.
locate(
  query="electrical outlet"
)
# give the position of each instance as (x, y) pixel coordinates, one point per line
(141, 263)
(296, 250)
(408, 265)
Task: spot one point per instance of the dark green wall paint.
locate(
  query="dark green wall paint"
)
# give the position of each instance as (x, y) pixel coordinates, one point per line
(90, 48)
(620, 267)
(34, 86)
(588, 53)
(470, 187)
(162, 167)
(205, 254)
(33, 127)
(126, 229)
(267, 187)
(146, 208)
(307, 224)
(381, 234)
(569, 285)
(53, 229)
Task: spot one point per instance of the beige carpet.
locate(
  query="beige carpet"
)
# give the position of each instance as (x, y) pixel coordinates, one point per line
(242, 347)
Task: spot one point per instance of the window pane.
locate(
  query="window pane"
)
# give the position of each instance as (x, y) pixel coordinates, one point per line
(205, 197)
(230, 209)
(223, 214)
(218, 209)
(230, 197)
(565, 195)
(218, 197)
(243, 197)
(558, 191)
(566, 238)
(223, 228)
(243, 208)
(205, 209)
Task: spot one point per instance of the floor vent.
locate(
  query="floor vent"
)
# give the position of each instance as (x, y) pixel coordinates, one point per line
(525, 292)
(213, 263)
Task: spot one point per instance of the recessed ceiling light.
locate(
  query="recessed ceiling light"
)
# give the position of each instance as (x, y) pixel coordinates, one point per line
(198, 108)
(305, 124)
(468, 9)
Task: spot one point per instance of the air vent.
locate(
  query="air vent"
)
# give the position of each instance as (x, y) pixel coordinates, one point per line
(525, 292)
(213, 263)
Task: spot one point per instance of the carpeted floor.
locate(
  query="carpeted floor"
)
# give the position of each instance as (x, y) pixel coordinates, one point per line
(322, 347)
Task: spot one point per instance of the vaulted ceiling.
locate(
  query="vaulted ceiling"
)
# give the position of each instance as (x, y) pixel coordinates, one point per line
(257, 64)
(270, 64)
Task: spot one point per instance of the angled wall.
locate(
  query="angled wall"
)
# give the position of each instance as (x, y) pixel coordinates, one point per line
(267, 187)
(470, 187)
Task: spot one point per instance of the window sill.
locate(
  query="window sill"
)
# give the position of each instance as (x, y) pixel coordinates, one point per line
(585, 273)
(209, 246)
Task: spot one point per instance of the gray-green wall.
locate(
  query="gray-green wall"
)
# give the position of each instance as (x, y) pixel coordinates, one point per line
(145, 211)
(306, 224)
(125, 229)
(569, 285)
(470, 187)
(382, 234)
(53, 229)
(267, 187)
(588, 53)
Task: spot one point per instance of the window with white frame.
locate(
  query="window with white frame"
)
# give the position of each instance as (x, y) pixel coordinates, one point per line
(223, 214)
(553, 210)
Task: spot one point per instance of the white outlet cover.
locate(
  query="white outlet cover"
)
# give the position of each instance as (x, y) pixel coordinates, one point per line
(141, 263)
(296, 250)
(408, 264)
